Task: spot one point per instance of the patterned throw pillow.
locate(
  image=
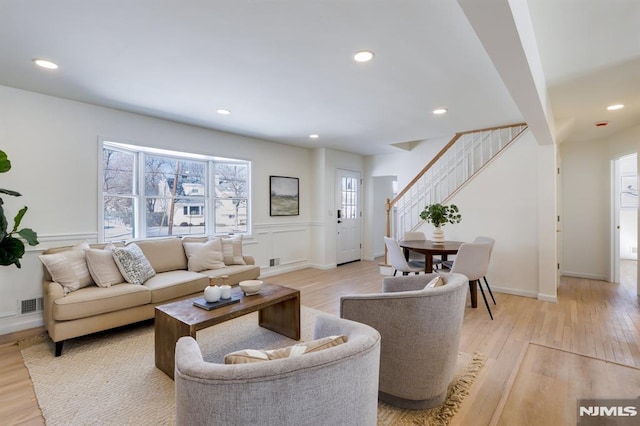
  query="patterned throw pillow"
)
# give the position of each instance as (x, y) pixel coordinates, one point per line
(204, 256)
(103, 267)
(232, 249)
(69, 268)
(133, 265)
(256, 355)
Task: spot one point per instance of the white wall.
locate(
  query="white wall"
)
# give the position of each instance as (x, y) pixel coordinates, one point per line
(53, 145)
(333, 160)
(586, 208)
(513, 201)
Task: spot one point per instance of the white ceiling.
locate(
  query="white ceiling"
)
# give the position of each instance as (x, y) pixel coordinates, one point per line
(284, 67)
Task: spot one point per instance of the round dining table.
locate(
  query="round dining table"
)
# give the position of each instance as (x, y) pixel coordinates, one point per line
(429, 249)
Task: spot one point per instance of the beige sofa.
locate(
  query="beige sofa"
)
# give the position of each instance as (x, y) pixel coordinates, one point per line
(91, 309)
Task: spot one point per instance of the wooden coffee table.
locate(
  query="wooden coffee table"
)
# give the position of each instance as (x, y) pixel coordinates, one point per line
(279, 311)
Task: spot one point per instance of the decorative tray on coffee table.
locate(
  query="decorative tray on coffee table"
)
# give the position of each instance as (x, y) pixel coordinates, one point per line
(201, 303)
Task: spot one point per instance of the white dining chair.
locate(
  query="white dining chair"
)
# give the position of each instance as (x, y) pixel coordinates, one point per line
(472, 260)
(491, 243)
(397, 259)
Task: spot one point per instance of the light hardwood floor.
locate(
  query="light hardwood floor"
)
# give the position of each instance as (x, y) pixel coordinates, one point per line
(592, 318)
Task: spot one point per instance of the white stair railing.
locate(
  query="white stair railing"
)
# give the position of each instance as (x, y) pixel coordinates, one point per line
(463, 157)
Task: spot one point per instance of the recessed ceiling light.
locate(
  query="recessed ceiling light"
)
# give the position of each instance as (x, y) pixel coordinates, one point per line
(223, 111)
(314, 136)
(45, 64)
(439, 111)
(364, 56)
(615, 107)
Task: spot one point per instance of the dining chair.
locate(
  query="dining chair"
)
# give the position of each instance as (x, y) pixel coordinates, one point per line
(417, 257)
(491, 243)
(397, 259)
(472, 260)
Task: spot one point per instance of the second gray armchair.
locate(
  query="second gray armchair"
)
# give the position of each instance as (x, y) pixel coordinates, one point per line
(420, 329)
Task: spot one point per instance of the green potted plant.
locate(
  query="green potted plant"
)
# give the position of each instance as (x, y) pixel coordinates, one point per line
(12, 248)
(439, 215)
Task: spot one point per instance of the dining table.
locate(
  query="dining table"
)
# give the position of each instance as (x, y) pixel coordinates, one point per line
(429, 249)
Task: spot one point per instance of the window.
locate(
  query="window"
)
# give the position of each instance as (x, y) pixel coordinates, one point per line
(154, 193)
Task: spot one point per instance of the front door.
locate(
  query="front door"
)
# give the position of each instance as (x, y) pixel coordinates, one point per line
(349, 216)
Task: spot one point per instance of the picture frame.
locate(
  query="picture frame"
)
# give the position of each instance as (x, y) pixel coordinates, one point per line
(629, 191)
(284, 198)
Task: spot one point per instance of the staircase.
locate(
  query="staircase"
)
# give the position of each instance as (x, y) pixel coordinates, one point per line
(461, 159)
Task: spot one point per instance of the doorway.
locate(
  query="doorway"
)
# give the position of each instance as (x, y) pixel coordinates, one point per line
(625, 216)
(349, 216)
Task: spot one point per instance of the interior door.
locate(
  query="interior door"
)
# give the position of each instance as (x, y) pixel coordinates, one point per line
(348, 216)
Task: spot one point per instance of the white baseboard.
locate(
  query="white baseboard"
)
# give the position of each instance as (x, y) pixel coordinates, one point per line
(547, 298)
(586, 276)
(19, 323)
(515, 292)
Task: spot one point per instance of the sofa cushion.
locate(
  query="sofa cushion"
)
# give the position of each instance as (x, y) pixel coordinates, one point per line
(164, 254)
(103, 267)
(203, 256)
(93, 300)
(69, 268)
(257, 355)
(133, 265)
(232, 249)
(173, 284)
(236, 273)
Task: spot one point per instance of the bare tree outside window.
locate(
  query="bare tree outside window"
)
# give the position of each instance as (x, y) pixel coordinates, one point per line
(118, 189)
(231, 197)
(171, 195)
(170, 185)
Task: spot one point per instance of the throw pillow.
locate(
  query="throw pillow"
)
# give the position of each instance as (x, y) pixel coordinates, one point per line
(133, 265)
(204, 256)
(436, 282)
(69, 268)
(103, 267)
(232, 249)
(255, 355)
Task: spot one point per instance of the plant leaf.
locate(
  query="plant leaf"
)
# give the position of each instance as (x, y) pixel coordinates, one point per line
(11, 250)
(29, 235)
(18, 219)
(5, 164)
(10, 192)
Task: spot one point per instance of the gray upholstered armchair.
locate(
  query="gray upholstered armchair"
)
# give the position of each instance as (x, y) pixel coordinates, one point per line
(420, 329)
(333, 386)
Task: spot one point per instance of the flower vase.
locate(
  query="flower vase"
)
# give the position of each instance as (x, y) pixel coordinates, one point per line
(438, 236)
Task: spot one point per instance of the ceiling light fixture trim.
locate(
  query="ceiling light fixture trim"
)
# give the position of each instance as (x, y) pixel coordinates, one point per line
(363, 56)
(439, 111)
(223, 111)
(43, 63)
(615, 107)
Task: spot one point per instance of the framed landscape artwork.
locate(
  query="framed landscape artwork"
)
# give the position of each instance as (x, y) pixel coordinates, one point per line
(284, 199)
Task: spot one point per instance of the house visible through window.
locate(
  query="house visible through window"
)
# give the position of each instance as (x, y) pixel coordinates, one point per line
(154, 193)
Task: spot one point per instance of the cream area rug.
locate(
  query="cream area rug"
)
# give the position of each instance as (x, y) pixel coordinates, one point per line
(110, 378)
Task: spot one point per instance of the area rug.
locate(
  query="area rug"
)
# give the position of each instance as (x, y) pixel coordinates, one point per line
(110, 378)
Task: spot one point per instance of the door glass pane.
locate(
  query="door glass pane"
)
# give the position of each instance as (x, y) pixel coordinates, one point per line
(349, 197)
